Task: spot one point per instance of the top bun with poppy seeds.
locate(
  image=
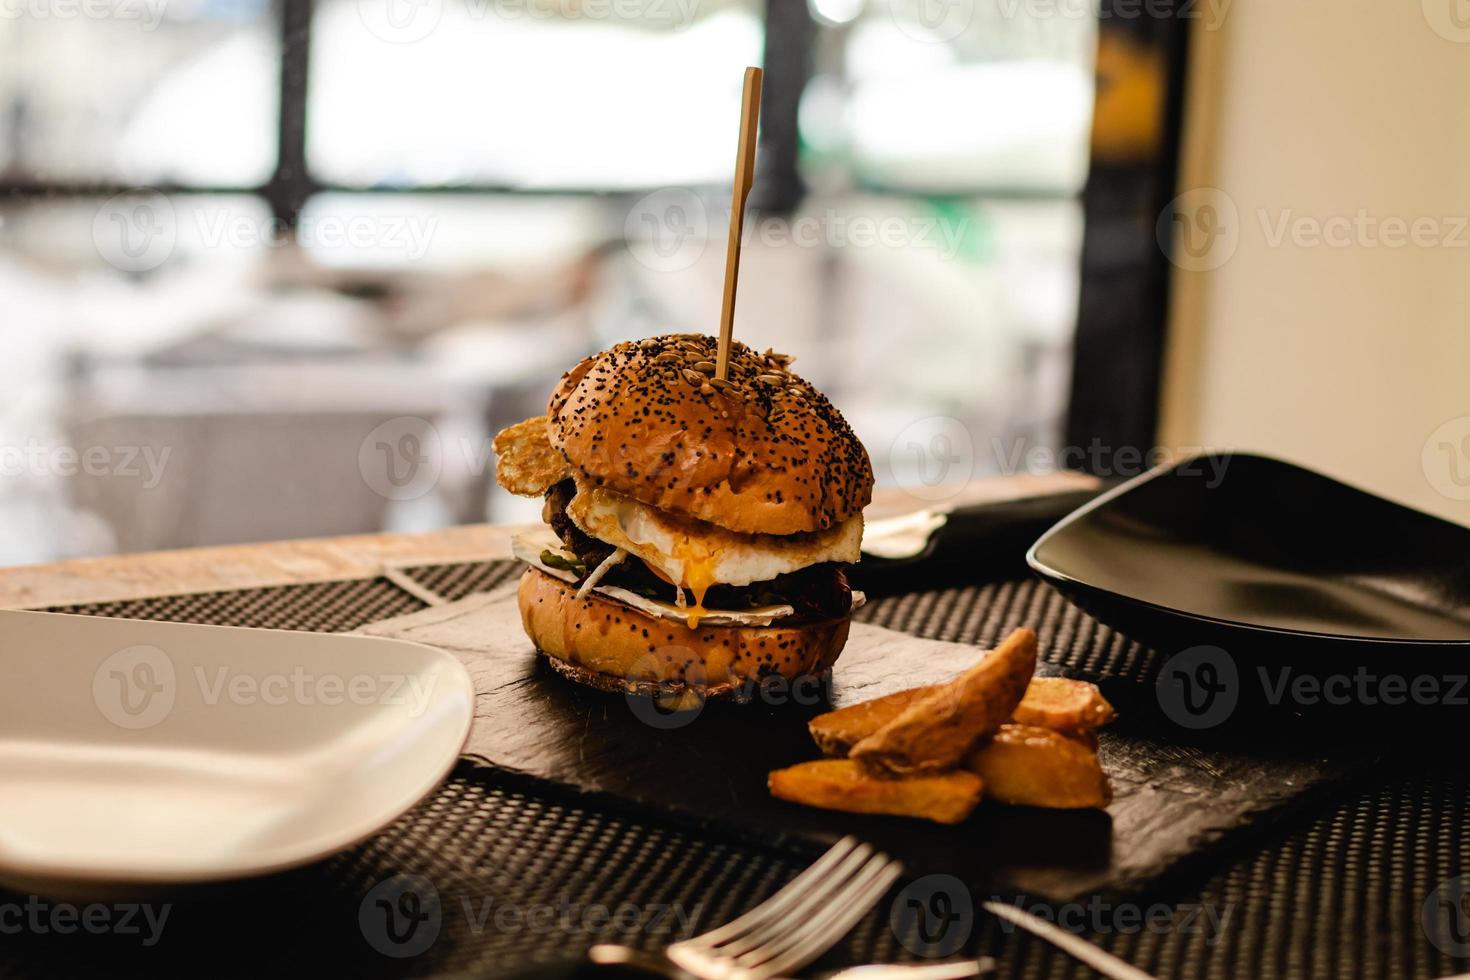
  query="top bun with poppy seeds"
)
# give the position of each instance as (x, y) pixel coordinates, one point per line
(763, 452)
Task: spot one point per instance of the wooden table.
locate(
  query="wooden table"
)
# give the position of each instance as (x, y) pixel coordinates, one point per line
(247, 566)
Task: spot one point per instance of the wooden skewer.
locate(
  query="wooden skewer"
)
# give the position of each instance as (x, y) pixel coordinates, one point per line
(750, 114)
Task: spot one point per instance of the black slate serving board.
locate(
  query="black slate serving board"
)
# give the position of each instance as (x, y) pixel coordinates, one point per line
(1181, 798)
(1175, 804)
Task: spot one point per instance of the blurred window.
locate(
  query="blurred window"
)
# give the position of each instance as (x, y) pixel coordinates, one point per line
(478, 92)
(484, 190)
(951, 96)
(969, 97)
(139, 92)
(964, 126)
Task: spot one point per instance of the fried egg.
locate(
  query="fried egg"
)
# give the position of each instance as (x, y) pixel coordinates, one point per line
(529, 546)
(696, 555)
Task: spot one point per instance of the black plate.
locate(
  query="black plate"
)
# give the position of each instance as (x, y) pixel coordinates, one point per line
(1282, 568)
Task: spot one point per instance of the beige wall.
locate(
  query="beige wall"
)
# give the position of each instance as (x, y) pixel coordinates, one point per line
(1345, 358)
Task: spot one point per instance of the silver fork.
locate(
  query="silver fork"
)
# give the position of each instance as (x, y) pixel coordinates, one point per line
(786, 931)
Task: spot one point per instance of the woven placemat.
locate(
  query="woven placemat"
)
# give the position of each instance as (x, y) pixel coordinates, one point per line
(526, 875)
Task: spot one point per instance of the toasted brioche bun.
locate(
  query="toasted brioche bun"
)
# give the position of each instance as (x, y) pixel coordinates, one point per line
(765, 453)
(602, 643)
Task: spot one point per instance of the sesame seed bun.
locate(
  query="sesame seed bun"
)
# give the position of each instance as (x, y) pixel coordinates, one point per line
(762, 453)
(602, 643)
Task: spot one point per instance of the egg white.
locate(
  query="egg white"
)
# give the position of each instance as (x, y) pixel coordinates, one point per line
(695, 554)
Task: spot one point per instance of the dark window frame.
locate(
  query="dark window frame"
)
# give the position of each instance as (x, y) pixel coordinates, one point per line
(1123, 303)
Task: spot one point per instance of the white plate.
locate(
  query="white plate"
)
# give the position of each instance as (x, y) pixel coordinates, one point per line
(137, 754)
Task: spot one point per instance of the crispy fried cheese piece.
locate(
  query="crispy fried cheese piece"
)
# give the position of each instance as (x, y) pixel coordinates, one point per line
(528, 465)
(841, 784)
(935, 731)
(1059, 703)
(1030, 766)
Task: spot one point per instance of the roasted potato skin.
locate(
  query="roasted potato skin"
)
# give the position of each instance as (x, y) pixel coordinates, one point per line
(1030, 766)
(935, 732)
(1030, 740)
(836, 732)
(1063, 705)
(1059, 703)
(841, 784)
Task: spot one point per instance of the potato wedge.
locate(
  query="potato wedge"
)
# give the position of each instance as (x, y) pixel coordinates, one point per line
(1031, 766)
(527, 464)
(1088, 739)
(836, 732)
(1058, 703)
(841, 784)
(935, 731)
(1063, 705)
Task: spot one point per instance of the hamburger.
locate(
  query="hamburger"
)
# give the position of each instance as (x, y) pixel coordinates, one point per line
(696, 528)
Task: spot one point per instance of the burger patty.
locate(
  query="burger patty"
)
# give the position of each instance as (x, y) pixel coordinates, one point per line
(591, 551)
(816, 592)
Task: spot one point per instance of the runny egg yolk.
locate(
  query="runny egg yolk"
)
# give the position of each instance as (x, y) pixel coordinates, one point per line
(699, 575)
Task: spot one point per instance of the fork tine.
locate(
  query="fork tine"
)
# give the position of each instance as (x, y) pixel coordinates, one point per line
(816, 893)
(779, 935)
(814, 937)
(778, 903)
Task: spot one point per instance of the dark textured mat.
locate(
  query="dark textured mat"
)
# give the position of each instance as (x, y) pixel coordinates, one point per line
(526, 875)
(324, 607)
(456, 581)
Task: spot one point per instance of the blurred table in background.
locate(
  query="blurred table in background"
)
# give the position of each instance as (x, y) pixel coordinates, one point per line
(326, 559)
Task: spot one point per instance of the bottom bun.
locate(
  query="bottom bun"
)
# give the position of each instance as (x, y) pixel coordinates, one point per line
(602, 643)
